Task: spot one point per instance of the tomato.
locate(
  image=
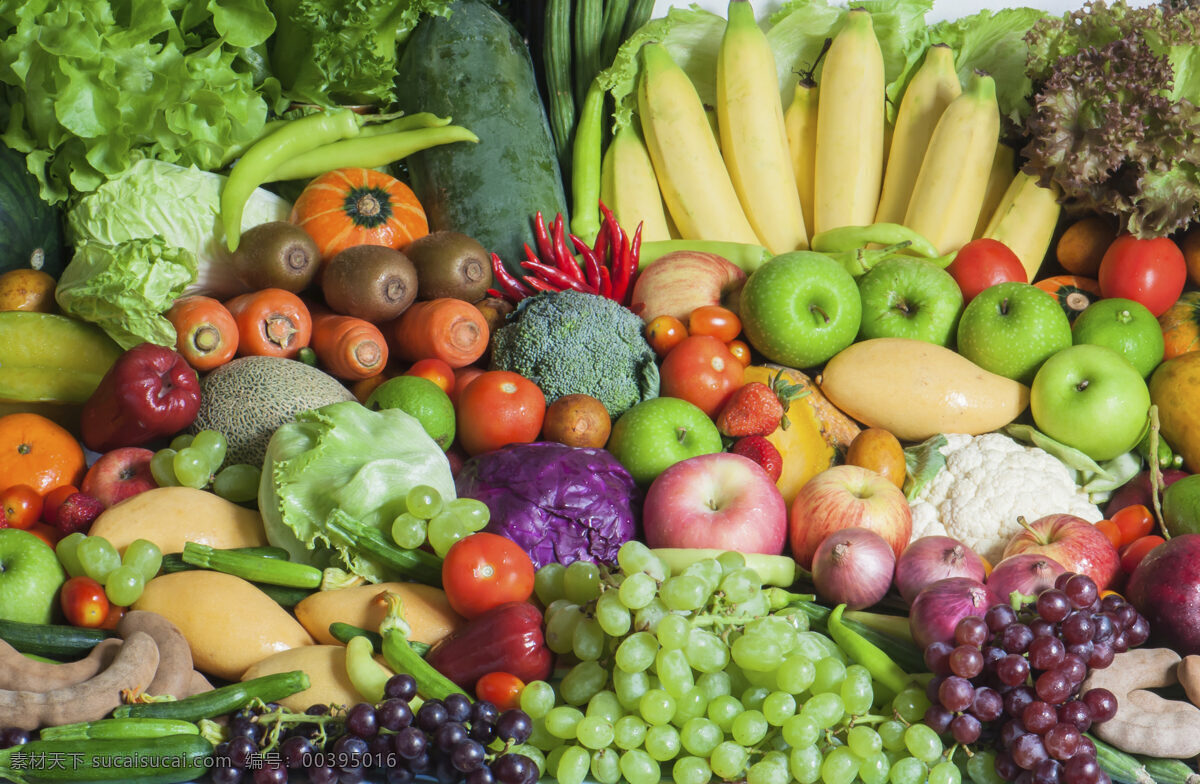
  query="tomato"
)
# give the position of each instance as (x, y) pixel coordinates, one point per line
(462, 377)
(701, 371)
(983, 263)
(115, 613)
(47, 533)
(54, 499)
(1133, 553)
(83, 602)
(502, 689)
(483, 571)
(1152, 272)
(436, 370)
(1133, 522)
(20, 506)
(722, 323)
(1110, 531)
(665, 333)
(740, 350)
(498, 408)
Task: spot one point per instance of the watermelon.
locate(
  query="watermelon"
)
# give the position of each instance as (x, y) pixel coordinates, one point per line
(31, 234)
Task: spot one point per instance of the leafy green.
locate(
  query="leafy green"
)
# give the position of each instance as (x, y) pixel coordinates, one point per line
(922, 463)
(125, 288)
(347, 458)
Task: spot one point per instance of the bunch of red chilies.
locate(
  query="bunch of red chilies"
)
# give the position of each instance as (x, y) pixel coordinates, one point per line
(608, 268)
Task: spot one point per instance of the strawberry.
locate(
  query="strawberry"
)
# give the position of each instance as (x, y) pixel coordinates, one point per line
(77, 513)
(756, 409)
(761, 451)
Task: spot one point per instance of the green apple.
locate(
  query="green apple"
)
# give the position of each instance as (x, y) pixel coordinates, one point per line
(1091, 398)
(1181, 506)
(657, 433)
(30, 577)
(1125, 326)
(800, 308)
(1011, 328)
(909, 298)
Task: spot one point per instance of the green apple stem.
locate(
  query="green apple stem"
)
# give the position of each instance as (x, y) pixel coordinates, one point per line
(1004, 307)
(1156, 479)
(681, 433)
(819, 311)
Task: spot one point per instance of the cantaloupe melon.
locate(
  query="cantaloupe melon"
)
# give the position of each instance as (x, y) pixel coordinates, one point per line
(249, 398)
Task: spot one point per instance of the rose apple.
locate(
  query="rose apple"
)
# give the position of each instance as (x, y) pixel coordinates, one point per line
(657, 433)
(847, 496)
(679, 282)
(721, 501)
(119, 474)
(1071, 541)
(30, 577)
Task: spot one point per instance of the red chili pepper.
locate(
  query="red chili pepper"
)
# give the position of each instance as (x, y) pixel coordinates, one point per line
(494, 293)
(620, 274)
(543, 239)
(635, 252)
(605, 283)
(512, 287)
(601, 248)
(614, 228)
(539, 284)
(591, 264)
(563, 258)
(555, 277)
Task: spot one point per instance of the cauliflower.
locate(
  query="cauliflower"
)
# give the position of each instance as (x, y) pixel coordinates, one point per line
(987, 482)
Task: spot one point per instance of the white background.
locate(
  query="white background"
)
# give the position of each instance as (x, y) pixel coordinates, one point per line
(942, 9)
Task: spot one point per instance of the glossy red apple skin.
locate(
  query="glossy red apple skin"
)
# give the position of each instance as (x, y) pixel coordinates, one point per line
(847, 496)
(119, 474)
(679, 282)
(1071, 541)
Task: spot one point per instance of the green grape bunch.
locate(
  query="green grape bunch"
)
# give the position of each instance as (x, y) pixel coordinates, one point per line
(198, 461)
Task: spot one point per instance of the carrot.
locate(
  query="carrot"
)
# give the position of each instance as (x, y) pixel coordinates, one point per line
(271, 323)
(205, 331)
(451, 330)
(348, 347)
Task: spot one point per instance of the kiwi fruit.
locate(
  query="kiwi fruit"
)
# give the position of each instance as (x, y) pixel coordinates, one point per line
(450, 264)
(371, 282)
(277, 255)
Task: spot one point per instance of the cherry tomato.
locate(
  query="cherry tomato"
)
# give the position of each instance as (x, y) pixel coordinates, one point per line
(722, 323)
(47, 533)
(20, 506)
(462, 377)
(115, 613)
(1111, 531)
(701, 371)
(983, 263)
(1152, 272)
(54, 499)
(1133, 522)
(665, 333)
(1133, 553)
(483, 571)
(497, 408)
(83, 602)
(502, 689)
(740, 350)
(436, 370)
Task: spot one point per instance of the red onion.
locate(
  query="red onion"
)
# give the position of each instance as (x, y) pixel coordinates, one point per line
(1028, 573)
(933, 558)
(854, 567)
(938, 608)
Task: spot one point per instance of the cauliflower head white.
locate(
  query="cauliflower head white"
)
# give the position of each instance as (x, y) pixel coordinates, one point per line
(987, 482)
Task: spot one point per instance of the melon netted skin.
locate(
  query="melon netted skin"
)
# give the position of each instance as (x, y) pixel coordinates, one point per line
(248, 399)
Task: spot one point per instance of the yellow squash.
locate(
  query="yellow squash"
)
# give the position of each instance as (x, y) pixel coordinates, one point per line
(426, 609)
(325, 666)
(172, 516)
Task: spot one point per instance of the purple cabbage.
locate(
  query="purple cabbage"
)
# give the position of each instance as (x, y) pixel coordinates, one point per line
(560, 503)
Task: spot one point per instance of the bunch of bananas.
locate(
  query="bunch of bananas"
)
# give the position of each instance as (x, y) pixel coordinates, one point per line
(752, 172)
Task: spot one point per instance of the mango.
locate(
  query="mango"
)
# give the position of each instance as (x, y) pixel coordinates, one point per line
(172, 516)
(426, 610)
(1175, 389)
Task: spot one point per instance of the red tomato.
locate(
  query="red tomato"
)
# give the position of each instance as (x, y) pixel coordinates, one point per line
(498, 408)
(502, 689)
(47, 533)
(462, 377)
(1152, 272)
(722, 323)
(54, 499)
(1133, 554)
(1133, 522)
(436, 370)
(483, 571)
(983, 263)
(20, 506)
(701, 371)
(740, 350)
(115, 613)
(1110, 531)
(83, 602)
(665, 333)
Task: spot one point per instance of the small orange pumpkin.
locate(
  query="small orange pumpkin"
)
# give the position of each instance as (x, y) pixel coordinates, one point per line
(1181, 326)
(353, 206)
(1073, 293)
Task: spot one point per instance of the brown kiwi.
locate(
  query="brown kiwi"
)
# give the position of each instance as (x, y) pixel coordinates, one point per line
(450, 264)
(276, 255)
(371, 282)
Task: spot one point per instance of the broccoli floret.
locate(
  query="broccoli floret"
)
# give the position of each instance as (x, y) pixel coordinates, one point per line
(571, 343)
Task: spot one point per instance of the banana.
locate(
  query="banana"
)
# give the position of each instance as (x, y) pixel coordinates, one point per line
(47, 358)
(948, 194)
(1025, 220)
(634, 196)
(687, 162)
(931, 90)
(1003, 169)
(753, 140)
(800, 125)
(777, 570)
(849, 164)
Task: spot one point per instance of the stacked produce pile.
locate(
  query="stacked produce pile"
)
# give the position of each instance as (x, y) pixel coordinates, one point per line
(504, 392)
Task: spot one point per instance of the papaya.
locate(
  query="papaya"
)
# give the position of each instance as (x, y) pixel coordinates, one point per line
(1175, 389)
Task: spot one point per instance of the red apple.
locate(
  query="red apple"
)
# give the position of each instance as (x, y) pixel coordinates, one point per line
(721, 501)
(119, 474)
(680, 282)
(848, 496)
(1071, 541)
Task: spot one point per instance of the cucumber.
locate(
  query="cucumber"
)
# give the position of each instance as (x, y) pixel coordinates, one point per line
(226, 699)
(474, 67)
(53, 641)
(167, 760)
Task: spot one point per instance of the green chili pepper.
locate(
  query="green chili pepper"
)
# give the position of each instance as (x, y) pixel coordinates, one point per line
(745, 256)
(367, 152)
(402, 658)
(368, 676)
(879, 664)
(847, 238)
(409, 122)
(585, 166)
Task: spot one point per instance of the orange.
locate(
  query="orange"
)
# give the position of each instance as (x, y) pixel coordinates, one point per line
(27, 289)
(1181, 325)
(37, 452)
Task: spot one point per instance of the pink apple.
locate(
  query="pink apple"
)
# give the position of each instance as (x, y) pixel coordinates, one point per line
(848, 496)
(119, 474)
(1072, 541)
(722, 501)
(679, 282)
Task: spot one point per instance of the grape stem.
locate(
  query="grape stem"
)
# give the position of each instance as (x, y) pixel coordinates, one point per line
(282, 717)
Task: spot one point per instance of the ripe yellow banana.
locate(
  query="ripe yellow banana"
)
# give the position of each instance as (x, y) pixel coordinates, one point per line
(800, 124)
(687, 162)
(931, 90)
(1025, 220)
(948, 194)
(753, 140)
(1003, 169)
(849, 166)
(634, 196)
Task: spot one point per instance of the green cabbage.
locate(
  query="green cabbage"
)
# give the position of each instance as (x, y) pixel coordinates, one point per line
(344, 457)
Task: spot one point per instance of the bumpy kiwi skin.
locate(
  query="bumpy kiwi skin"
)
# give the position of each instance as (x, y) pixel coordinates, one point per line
(277, 255)
(450, 264)
(371, 282)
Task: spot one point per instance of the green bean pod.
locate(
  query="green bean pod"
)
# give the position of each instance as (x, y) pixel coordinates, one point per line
(848, 238)
(369, 152)
(585, 166)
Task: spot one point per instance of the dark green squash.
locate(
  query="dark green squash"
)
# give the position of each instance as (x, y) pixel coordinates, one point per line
(31, 234)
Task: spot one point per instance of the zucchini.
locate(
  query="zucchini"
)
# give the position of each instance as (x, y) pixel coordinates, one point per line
(173, 562)
(226, 699)
(285, 597)
(256, 568)
(473, 66)
(168, 760)
(115, 729)
(53, 641)
(345, 632)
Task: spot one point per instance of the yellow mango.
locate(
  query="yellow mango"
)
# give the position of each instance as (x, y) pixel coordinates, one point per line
(426, 610)
(172, 516)
(325, 666)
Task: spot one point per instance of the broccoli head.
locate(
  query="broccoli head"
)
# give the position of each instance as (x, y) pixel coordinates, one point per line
(570, 343)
